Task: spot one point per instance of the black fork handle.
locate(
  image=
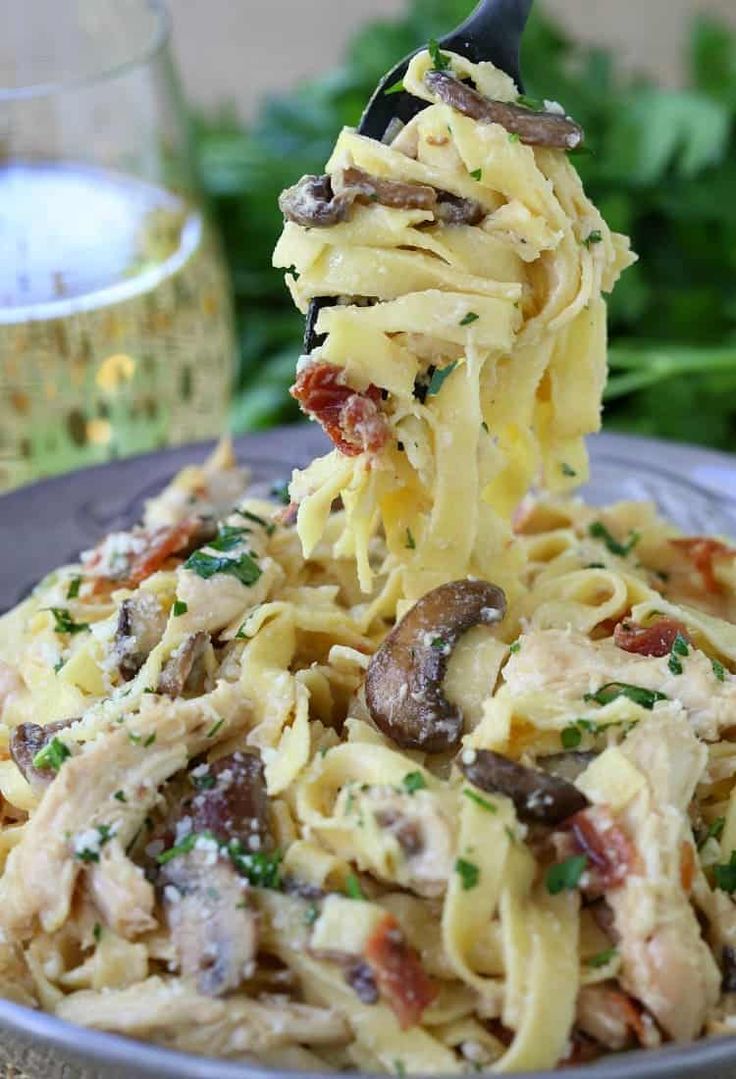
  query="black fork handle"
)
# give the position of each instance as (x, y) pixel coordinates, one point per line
(492, 32)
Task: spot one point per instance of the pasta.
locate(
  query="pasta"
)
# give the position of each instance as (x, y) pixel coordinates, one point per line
(427, 775)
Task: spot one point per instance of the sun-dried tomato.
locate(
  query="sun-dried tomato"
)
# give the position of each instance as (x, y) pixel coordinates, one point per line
(703, 552)
(399, 974)
(352, 419)
(655, 639)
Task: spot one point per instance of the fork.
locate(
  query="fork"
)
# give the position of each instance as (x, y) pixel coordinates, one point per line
(492, 32)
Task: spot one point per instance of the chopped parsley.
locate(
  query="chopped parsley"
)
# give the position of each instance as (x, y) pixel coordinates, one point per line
(440, 60)
(52, 755)
(179, 608)
(718, 670)
(411, 543)
(395, 87)
(514, 136)
(715, 831)
(611, 691)
(268, 526)
(479, 801)
(468, 872)
(353, 888)
(58, 665)
(119, 796)
(564, 876)
(679, 648)
(64, 623)
(134, 738)
(260, 869)
(515, 647)
(477, 174)
(97, 932)
(571, 737)
(228, 537)
(311, 914)
(469, 318)
(602, 959)
(725, 875)
(215, 728)
(187, 844)
(531, 103)
(400, 1068)
(205, 782)
(73, 590)
(567, 470)
(599, 531)
(484, 425)
(594, 237)
(150, 740)
(280, 492)
(413, 781)
(244, 568)
(438, 643)
(92, 853)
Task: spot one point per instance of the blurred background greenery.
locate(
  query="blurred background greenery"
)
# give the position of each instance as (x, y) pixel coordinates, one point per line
(662, 168)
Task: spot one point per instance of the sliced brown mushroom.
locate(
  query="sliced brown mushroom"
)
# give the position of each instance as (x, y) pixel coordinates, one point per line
(182, 667)
(27, 740)
(453, 210)
(313, 204)
(361, 980)
(551, 129)
(536, 795)
(566, 765)
(360, 186)
(403, 686)
(141, 624)
(213, 927)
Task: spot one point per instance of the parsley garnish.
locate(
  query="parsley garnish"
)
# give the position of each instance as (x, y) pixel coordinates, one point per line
(469, 318)
(205, 782)
(311, 914)
(482, 802)
(395, 87)
(186, 845)
(134, 738)
(411, 543)
(484, 425)
(571, 737)
(73, 590)
(567, 470)
(64, 623)
(715, 831)
(269, 526)
(725, 875)
(440, 60)
(53, 755)
(413, 781)
(647, 698)
(514, 136)
(120, 796)
(564, 876)
(477, 174)
(280, 491)
(718, 670)
(679, 648)
(599, 531)
(595, 237)
(244, 568)
(532, 103)
(515, 647)
(438, 643)
(260, 869)
(87, 854)
(150, 740)
(353, 888)
(468, 872)
(179, 608)
(400, 1068)
(602, 959)
(228, 537)
(215, 728)
(58, 665)
(97, 932)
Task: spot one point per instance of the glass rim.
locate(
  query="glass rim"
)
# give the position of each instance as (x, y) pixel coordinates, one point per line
(154, 46)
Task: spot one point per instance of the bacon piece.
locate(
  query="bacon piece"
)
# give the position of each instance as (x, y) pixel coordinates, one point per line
(611, 853)
(399, 975)
(178, 540)
(352, 419)
(655, 639)
(702, 552)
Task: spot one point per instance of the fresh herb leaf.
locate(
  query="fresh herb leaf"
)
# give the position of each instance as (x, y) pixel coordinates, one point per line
(514, 136)
(440, 60)
(571, 737)
(311, 914)
(532, 103)
(718, 670)
(602, 959)
(64, 623)
(594, 237)
(477, 174)
(58, 665)
(244, 568)
(400, 1068)
(187, 844)
(564, 876)
(679, 648)
(119, 796)
(599, 531)
(179, 608)
(611, 691)
(410, 544)
(468, 872)
(413, 781)
(567, 470)
(725, 874)
(479, 801)
(150, 740)
(260, 869)
(395, 87)
(439, 377)
(280, 493)
(485, 427)
(353, 888)
(268, 526)
(204, 782)
(97, 932)
(469, 318)
(215, 728)
(515, 647)
(228, 537)
(715, 831)
(438, 643)
(52, 755)
(73, 590)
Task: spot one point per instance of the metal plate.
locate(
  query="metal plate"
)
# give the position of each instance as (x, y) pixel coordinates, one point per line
(46, 524)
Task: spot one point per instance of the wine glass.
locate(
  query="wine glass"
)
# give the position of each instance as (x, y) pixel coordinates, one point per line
(116, 330)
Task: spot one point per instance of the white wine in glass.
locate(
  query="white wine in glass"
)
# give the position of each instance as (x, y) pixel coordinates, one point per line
(116, 331)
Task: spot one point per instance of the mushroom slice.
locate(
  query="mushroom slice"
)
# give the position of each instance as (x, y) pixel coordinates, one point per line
(403, 684)
(360, 186)
(550, 129)
(181, 665)
(214, 929)
(454, 210)
(536, 795)
(141, 624)
(27, 741)
(313, 204)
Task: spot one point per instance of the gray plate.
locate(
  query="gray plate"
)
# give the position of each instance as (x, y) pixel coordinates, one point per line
(47, 524)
